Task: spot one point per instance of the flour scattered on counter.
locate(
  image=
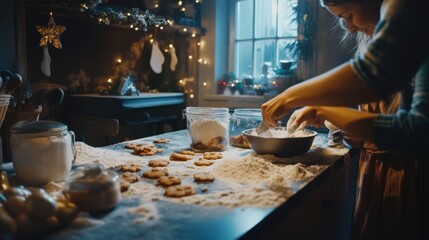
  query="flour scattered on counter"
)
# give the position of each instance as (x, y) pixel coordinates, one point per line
(146, 213)
(241, 180)
(83, 220)
(107, 157)
(254, 168)
(254, 181)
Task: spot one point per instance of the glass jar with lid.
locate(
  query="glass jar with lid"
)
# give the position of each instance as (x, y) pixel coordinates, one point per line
(208, 128)
(42, 151)
(242, 119)
(93, 188)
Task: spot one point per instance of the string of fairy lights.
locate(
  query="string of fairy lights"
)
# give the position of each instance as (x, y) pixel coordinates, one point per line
(141, 20)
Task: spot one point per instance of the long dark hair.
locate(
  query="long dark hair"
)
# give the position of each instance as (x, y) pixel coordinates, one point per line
(389, 105)
(332, 2)
(362, 39)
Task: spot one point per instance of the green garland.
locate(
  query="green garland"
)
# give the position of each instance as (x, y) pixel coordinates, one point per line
(140, 20)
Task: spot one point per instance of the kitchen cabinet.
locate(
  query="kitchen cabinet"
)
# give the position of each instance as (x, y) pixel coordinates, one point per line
(321, 210)
(138, 116)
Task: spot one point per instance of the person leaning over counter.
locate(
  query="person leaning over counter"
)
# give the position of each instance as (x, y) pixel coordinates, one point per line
(396, 58)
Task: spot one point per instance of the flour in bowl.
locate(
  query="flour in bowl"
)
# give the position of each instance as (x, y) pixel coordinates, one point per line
(281, 133)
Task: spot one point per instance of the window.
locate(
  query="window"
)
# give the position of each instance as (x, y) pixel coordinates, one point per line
(263, 30)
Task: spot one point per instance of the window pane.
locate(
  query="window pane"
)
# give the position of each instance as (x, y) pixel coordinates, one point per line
(243, 58)
(244, 19)
(284, 52)
(265, 18)
(287, 26)
(265, 53)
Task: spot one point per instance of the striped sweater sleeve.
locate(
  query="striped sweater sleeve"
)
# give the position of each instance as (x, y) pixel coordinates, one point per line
(398, 54)
(407, 131)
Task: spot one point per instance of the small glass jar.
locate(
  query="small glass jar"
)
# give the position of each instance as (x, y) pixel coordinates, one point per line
(242, 119)
(42, 151)
(93, 188)
(208, 128)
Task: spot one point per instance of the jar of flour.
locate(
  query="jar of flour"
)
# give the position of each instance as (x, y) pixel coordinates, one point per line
(42, 151)
(208, 128)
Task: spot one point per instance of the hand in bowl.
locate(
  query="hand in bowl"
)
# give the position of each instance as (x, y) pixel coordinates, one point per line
(306, 116)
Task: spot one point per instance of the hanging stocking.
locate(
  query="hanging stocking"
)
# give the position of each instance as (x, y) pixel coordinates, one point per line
(157, 58)
(173, 62)
(46, 62)
(50, 35)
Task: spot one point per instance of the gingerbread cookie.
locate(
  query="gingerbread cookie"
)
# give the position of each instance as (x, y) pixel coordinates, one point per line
(124, 185)
(212, 155)
(155, 173)
(133, 145)
(203, 177)
(179, 191)
(239, 141)
(203, 162)
(130, 168)
(161, 140)
(130, 177)
(158, 163)
(169, 181)
(180, 157)
(187, 152)
(129, 146)
(147, 150)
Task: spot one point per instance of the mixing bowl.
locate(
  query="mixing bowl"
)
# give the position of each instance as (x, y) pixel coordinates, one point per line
(280, 147)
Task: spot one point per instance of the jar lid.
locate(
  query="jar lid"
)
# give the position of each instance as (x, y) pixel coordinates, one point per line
(38, 126)
(92, 176)
(248, 112)
(210, 111)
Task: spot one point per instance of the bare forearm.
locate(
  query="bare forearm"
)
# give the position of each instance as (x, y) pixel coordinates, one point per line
(354, 122)
(338, 87)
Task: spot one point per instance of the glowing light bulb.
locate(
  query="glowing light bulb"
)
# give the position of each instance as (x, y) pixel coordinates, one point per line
(185, 29)
(180, 3)
(190, 57)
(191, 96)
(109, 80)
(193, 35)
(118, 60)
(204, 84)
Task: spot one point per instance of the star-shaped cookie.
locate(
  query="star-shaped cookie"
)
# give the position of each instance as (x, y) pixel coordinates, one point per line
(51, 34)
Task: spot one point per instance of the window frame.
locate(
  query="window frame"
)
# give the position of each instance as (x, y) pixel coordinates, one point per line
(233, 40)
